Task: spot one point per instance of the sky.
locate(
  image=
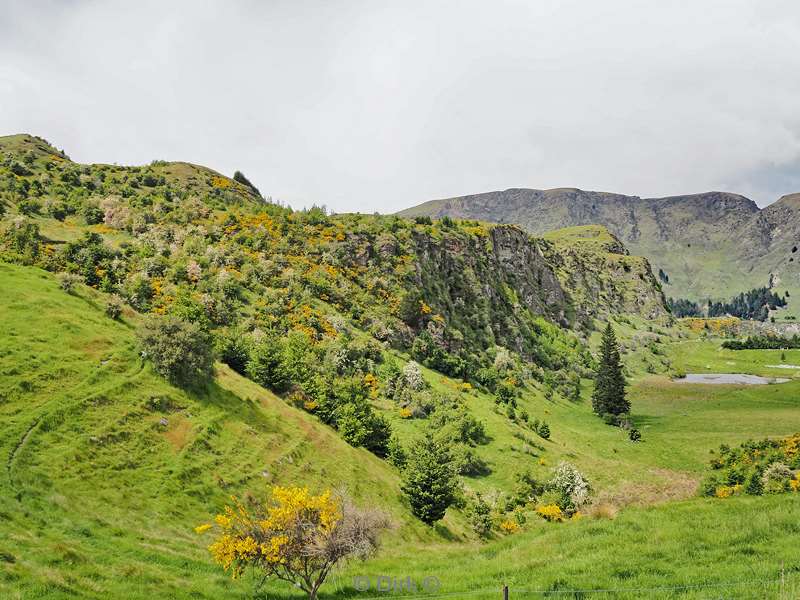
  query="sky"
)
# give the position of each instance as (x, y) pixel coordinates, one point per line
(375, 106)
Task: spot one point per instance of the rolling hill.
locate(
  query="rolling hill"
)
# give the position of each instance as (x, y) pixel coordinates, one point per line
(340, 339)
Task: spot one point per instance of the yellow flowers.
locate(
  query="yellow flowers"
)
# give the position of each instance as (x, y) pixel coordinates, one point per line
(794, 484)
(272, 551)
(424, 308)
(791, 445)
(372, 383)
(293, 502)
(726, 491)
(713, 324)
(509, 526)
(277, 533)
(221, 182)
(405, 413)
(550, 512)
(223, 521)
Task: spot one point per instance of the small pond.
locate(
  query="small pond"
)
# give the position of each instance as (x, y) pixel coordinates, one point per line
(729, 378)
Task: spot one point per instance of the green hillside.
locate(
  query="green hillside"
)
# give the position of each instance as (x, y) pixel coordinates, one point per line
(100, 497)
(340, 342)
(108, 468)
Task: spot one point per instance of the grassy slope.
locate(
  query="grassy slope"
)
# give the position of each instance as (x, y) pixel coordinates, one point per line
(99, 498)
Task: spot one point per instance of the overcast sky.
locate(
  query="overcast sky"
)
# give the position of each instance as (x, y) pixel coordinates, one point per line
(376, 106)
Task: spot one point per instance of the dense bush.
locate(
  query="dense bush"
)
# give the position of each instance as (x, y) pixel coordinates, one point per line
(233, 348)
(114, 307)
(302, 302)
(480, 517)
(571, 486)
(68, 281)
(265, 364)
(180, 351)
(22, 238)
(755, 467)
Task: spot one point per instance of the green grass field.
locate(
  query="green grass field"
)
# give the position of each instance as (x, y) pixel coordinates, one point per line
(107, 469)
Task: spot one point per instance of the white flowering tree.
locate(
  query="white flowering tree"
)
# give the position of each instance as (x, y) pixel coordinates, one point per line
(572, 487)
(412, 374)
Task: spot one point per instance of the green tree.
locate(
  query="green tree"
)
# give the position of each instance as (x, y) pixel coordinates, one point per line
(239, 176)
(180, 351)
(429, 481)
(609, 384)
(480, 517)
(266, 367)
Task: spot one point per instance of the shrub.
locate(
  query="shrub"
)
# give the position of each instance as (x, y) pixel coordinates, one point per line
(526, 491)
(571, 486)
(550, 512)
(265, 365)
(509, 526)
(92, 214)
(114, 307)
(68, 281)
(239, 177)
(297, 537)
(634, 435)
(544, 430)
(359, 425)
(754, 467)
(233, 349)
(480, 517)
(22, 237)
(396, 454)
(412, 375)
(754, 485)
(180, 351)
(776, 478)
(466, 462)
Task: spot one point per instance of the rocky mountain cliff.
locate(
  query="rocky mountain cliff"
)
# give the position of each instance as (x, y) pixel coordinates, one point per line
(599, 272)
(713, 244)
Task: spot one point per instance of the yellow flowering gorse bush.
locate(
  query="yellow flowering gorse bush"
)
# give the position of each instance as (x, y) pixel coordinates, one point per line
(550, 512)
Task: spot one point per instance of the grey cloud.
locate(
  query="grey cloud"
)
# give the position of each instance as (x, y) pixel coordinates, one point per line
(374, 106)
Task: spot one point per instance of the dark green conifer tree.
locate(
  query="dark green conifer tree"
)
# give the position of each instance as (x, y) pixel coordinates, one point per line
(429, 481)
(609, 383)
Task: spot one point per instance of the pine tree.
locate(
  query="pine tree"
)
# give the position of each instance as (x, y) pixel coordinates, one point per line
(429, 481)
(609, 387)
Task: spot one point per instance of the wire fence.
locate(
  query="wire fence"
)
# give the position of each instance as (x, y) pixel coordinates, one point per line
(785, 586)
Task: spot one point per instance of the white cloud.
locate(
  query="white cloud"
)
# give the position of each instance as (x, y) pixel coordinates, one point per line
(379, 105)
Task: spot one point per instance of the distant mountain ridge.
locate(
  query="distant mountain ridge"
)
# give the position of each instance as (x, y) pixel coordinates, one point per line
(711, 244)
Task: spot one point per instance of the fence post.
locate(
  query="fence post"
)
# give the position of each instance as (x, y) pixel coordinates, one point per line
(783, 581)
(505, 592)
